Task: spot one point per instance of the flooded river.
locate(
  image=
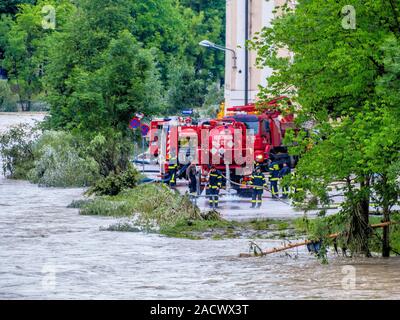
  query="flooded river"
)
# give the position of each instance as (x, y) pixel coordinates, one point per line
(50, 252)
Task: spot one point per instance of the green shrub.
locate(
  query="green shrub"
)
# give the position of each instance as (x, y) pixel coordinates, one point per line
(114, 184)
(153, 203)
(60, 162)
(16, 149)
(157, 202)
(78, 204)
(104, 207)
(111, 150)
(8, 101)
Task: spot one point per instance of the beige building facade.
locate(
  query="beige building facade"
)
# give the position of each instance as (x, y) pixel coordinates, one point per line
(260, 15)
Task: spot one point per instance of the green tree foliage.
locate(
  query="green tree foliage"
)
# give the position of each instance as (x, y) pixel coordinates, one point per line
(60, 161)
(11, 6)
(170, 29)
(16, 150)
(107, 60)
(181, 80)
(174, 30)
(345, 82)
(20, 60)
(25, 48)
(98, 77)
(114, 184)
(7, 99)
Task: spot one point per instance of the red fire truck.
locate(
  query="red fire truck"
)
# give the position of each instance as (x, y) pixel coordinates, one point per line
(209, 142)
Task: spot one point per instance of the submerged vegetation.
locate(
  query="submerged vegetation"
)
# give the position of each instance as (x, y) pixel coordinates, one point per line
(16, 150)
(155, 203)
(61, 161)
(114, 184)
(155, 207)
(64, 159)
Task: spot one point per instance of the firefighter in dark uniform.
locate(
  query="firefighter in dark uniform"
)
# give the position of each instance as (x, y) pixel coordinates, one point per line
(285, 188)
(214, 185)
(258, 182)
(172, 169)
(191, 175)
(274, 170)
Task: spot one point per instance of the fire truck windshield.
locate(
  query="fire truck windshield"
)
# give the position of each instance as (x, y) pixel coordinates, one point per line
(252, 125)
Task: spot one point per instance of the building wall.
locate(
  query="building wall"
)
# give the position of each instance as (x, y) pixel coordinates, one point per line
(260, 15)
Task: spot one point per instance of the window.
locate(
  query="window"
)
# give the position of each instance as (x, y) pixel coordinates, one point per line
(253, 125)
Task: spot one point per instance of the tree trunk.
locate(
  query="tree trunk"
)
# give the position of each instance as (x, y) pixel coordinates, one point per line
(365, 229)
(28, 105)
(386, 237)
(360, 230)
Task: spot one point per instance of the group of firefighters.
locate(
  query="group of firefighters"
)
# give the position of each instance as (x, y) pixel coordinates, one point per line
(257, 181)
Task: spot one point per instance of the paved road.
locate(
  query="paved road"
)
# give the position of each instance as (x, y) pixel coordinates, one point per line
(238, 209)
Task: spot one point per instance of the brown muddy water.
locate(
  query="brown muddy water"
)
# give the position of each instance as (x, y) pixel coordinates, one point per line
(50, 252)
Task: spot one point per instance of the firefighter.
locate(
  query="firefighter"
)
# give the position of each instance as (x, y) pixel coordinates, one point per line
(214, 185)
(191, 175)
(172, 169)
(258, 182)
(255, 165)
(274, 170)
(285, 188)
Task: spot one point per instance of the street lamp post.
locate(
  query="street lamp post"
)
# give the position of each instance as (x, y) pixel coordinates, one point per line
(209, 44)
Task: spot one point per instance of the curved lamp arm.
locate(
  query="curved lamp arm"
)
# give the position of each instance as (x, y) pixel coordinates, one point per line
(208, 44)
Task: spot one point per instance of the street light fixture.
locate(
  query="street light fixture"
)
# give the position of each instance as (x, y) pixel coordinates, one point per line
(209, 44)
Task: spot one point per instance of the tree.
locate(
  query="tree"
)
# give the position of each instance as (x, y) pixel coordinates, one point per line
(174, 32)
(126, 83)
(19, 60)
(25, 49)
(7, 99)
(182, 80)
(98, 76)
(340, 79)
(11, 6)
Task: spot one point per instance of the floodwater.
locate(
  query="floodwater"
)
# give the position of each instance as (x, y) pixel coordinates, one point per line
(50, 252)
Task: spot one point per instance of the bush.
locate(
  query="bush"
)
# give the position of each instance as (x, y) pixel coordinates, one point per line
(8, 101)
(111, 150)
(158, 203)
(62, 159)
(114, 184)
(16, 149)
(154, 203)
(60, 162)
(104, 207)
(78, 204)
